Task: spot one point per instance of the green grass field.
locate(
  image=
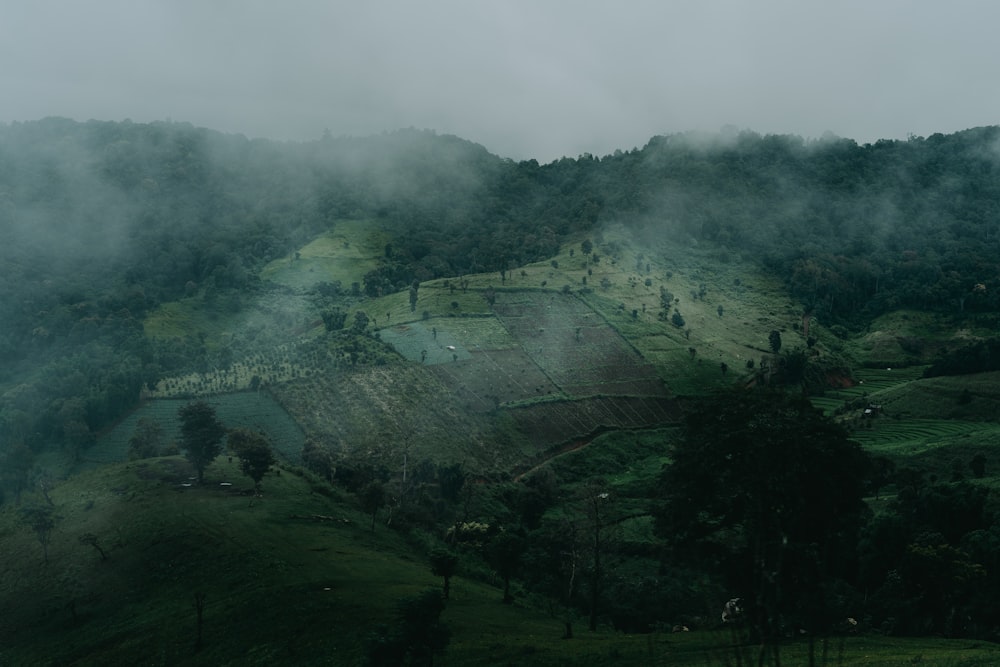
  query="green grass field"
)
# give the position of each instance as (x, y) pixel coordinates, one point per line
(345, 254)
(297, 578)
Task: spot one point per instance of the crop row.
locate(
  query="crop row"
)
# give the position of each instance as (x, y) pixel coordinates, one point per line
(887, 434)
(548, 423)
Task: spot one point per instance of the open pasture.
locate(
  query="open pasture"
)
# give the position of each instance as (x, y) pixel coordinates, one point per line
(422, 344)
(440, 340)
(476, 332)
(265, 319)
(345, 254)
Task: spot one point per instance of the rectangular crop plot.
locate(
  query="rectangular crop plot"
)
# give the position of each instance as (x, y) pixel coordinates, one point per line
(574, 347)
(424, 344)
(559, 421)
(490, 379)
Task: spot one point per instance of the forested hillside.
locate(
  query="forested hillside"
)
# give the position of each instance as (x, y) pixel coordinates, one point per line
(102, 222)
(481, 350)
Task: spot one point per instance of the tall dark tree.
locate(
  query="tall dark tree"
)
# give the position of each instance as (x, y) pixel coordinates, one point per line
(372, 496)
(504, 555)
(42, 520)
(201, 435)
(413, 295)
(333, 320)
(774, 340)
(254, 452)
(443, 564)
(767, 491)
(360, 322)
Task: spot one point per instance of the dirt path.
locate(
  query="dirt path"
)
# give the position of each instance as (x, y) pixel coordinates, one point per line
(548, 455)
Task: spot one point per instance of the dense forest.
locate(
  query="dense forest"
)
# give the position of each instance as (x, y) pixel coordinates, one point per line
(102, 223)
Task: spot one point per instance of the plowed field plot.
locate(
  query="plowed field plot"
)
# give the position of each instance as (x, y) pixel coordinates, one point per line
(581, 353)
(545, 424)
(488, 379)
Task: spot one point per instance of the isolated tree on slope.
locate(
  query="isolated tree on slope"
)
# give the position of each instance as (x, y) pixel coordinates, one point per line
(774, 339)
(372, 497)
(254, 452)
(443, 564)
(201, 435)
(504, 555)
(42, 520)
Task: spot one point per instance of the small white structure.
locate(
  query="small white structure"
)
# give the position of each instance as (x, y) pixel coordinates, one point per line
(732, 611)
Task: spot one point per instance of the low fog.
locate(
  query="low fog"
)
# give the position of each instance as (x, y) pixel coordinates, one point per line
(524, 79)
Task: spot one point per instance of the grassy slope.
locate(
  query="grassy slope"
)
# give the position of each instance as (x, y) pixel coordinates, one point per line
(283, 590)
(345, 253)
(907, 337)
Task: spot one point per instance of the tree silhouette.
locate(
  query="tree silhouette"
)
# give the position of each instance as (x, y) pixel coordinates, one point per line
(372, 497)
(201, 435)
(42, 520)
(766, 491)
(774, 340)
(504, 555)
(443, 564)
(254, 452)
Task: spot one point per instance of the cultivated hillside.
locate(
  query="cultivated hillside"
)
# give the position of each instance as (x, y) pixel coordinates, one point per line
(497, 359)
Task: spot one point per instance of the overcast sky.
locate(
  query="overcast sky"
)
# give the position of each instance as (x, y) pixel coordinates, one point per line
(525, 78)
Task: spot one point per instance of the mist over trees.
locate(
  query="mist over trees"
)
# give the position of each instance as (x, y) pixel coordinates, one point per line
(101, 223)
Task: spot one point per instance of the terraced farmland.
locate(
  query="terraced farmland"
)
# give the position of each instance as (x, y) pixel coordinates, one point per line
(575, 348)
(545, 424)
(873, 383)
(914, 436)
(490, 379)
